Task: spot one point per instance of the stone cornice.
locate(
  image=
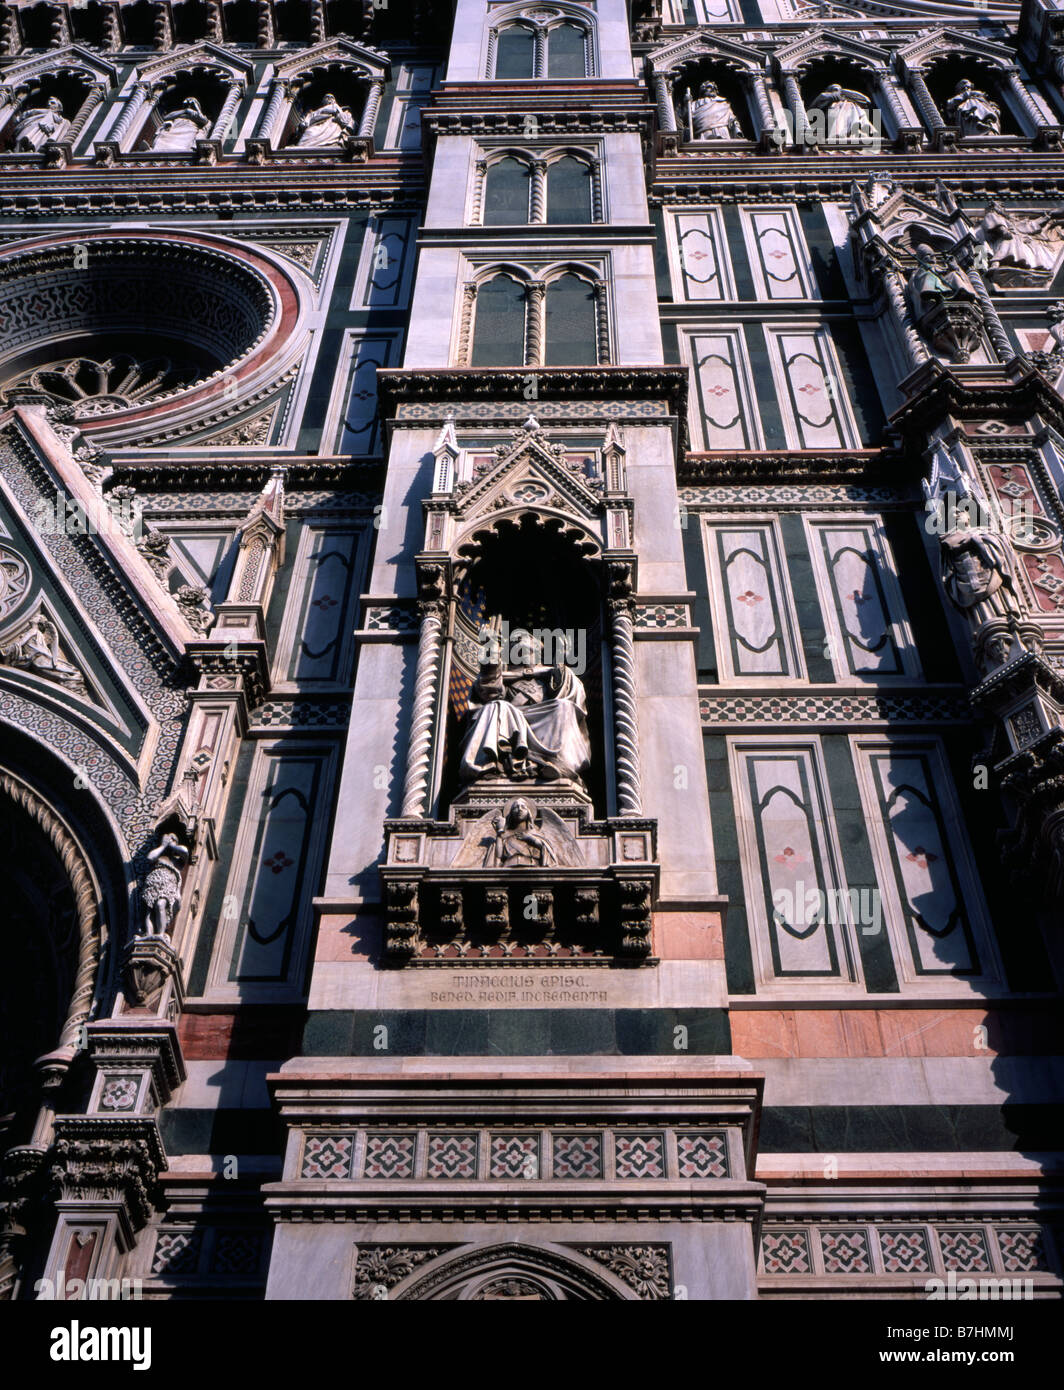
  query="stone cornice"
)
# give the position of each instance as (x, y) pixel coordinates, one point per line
(944, 392)
(238, 470)
(396, 385)
(792, 465)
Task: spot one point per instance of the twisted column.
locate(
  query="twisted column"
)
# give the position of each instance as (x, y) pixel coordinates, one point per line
(465, 328)
(539, 192)
(766, 117)
(282, 92)
(88, 106)
(424, 716)
(536, 295)
(539, 54)
(994, 327)
(888, 90)
(793, 95)
(1011, 83)
(368, 118)
(925, 102)
(663, 99)
(602, 322)
(220, 129)
(130, 112)
(626, 729)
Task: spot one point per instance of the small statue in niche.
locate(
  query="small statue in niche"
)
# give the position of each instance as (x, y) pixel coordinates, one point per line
(847, 114)
(711, 115)
(35, 126)
(527, 721)
(944, 307)
(181, 129)
(161, 894)
(1026, 244)
(927, 288)
(325, 125)
(977, 572)
(972, 111)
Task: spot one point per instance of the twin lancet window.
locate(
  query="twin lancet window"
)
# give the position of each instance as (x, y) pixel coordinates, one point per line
(558, 52)
(521, 324)
(518, 192)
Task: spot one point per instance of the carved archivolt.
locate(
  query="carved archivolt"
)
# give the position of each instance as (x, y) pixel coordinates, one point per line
(85, 905)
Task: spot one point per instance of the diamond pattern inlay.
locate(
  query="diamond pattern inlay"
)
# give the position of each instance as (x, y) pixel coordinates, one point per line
(702, 1155)
(514, 1156)
(389, 1156)
(964, 1251)
(845, 1252)
(577, 1156)
(786, 1252)
(905, 1252)
(327, 1156)
(640, 1156)
(452, 1156)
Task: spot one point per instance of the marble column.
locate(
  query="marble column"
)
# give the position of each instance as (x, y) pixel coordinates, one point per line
(1010, 83)
(92, 100)
(994, 327)
(793, 95)
(663, 100)
(538, 211)
(279, 95)
(925, 103)
(536, 295)
(895, 292)
(220, 130)
(423, 720)
(368, 119)
(133, 107)
(766, 116)
(626, 729)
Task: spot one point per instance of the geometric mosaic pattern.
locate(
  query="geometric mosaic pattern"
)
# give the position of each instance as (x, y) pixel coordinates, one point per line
(964, 1250)
(905, 1252)
(237, 1252)
(846, 1252)
(452, 1156)
(514, 1156)
(390, 1156)
(831, 709)
(327, 1156)
(786, 1252)
(176, 1252)
(577, 1156)
(640, 1156)
(702, 1156)
(1022, 1251)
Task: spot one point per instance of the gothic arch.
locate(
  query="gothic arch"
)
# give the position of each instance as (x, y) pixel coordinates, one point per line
(540, 20)
(513, 1271)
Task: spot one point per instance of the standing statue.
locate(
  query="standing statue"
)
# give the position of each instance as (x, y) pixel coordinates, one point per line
(527, 721)
(977, 573)
(36, 125)
(972, 111)
(161, 894)
(1012, 241)
(847, 113)
(926, 288)
(327, 124)
(181, 128)
(711, 115)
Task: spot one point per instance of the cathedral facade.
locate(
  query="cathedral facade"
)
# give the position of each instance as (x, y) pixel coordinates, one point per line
(531, 648)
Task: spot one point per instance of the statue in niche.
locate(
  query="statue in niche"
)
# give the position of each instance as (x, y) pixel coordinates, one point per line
(161, 894)
(1026, 244)
(528, 721)
(182, 128)
(977, 572)
(972, 111)
(944, 307)
(35, 647)
(711, 115)
(847, 114)
(35, 126)
(324, 125)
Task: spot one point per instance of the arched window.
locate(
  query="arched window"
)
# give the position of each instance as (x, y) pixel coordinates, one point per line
(569, 191)
(571, 323)
(515, 55)
(506, 192)
(499, 329)
(566, 51)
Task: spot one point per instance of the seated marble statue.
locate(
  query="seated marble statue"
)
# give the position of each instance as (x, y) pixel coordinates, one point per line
(978, 574)
(1012, 241)
(926, 288)
(847, 114)
(972, 111)
(327, 124)
(712, 117)
(36, 125)
(527, 722)
(182, 128)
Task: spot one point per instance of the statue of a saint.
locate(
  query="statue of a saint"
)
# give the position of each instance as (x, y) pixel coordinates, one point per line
(182, 128)
(847, 114)
(324, 125)
(972, 111)
(1012, 241)
(161, 894)
(977, 573)
(712, 117)
(36, 125)
(527, 721)
(927, 288)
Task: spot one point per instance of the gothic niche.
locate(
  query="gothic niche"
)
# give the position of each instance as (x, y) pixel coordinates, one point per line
(710, 104)
(184, 112)
(326, 109)
(44, 112)
(969, 99)
(498, 854)
(840, 106)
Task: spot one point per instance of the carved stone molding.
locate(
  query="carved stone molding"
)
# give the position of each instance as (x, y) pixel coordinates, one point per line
(109, 1161)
